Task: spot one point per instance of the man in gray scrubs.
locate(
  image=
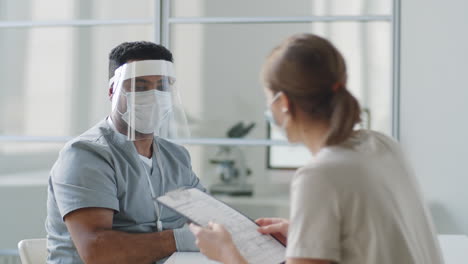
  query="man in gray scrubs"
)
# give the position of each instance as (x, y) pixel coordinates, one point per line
(103, 187)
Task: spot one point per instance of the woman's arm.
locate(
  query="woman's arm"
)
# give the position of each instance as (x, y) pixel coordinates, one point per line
(216, 243)
(277, 227)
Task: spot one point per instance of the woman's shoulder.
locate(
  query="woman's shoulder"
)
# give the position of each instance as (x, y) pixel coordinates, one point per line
(317, 171)
(350, 160)
(373, 137)
(363, 144)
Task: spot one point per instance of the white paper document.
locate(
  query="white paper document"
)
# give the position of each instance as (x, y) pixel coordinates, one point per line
(200, 208)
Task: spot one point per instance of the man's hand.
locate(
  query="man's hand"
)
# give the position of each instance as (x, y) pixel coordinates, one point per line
(96, 242)
(277, 227)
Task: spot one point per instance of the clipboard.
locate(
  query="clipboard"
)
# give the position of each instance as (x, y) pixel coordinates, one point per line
(200, 208)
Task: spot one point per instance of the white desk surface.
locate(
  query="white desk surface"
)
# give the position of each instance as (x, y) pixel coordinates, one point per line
(189, 258)
(454, 250)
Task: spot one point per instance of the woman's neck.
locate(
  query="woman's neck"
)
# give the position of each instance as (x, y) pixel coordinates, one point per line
(314, 135)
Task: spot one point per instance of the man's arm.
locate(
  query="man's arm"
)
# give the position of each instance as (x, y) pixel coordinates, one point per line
(96, 242)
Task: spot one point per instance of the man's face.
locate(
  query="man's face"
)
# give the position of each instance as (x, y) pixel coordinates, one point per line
(141, 101)
(145, 83)
(148, 83)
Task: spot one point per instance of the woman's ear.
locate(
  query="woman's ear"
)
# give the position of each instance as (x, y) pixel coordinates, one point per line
(284, 103)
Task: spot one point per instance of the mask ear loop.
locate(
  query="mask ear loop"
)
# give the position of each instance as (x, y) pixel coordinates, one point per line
(277, 95)
(116, 76)
(122, 92)
(284, 110)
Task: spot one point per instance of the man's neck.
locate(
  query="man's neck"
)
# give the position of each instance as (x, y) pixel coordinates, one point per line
(144, 147)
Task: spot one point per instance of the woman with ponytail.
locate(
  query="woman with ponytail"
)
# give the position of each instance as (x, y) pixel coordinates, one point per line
(356, 201)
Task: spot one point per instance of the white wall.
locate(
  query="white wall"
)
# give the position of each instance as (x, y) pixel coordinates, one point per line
(23, 210)
(434, 104)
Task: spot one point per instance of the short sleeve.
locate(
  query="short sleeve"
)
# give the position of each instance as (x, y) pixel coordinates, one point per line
(314, 230)
(82, 177)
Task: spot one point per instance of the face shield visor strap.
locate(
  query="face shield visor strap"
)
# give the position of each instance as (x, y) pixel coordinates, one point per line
(179, 128)
(131, 133)
(145, 102)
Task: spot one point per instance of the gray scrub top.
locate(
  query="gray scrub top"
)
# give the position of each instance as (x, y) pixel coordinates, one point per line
(100, 168)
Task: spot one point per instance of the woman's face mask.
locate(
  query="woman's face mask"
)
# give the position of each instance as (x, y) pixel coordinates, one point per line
(146, 111)
(271, 119)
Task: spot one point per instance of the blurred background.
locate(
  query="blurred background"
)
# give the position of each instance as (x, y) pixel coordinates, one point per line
(405, 64)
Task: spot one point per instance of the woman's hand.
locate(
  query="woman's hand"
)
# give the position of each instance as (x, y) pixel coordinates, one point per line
(216, 243)
(277, 227)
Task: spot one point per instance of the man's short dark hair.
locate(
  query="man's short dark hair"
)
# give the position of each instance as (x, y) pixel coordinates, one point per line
(138, 50)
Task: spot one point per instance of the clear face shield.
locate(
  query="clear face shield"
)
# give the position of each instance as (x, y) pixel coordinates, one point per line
(145, 101)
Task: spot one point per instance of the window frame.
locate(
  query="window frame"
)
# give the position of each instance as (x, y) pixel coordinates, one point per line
(162, 21)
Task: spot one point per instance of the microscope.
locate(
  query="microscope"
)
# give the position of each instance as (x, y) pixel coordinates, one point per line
(231, 165)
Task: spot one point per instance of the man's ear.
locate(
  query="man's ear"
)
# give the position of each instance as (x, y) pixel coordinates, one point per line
(111, 92)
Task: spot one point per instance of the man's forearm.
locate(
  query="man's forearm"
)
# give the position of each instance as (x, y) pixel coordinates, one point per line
(109, 246)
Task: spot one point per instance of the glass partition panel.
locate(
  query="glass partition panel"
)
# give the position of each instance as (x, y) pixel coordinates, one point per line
(218, 71)
(55, 80)
(40, 10)
(246, 8)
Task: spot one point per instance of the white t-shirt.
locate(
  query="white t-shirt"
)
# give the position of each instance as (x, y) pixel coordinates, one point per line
(359, 203)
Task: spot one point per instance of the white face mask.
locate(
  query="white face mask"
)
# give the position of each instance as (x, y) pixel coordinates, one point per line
(271, 119)
(146, 111)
